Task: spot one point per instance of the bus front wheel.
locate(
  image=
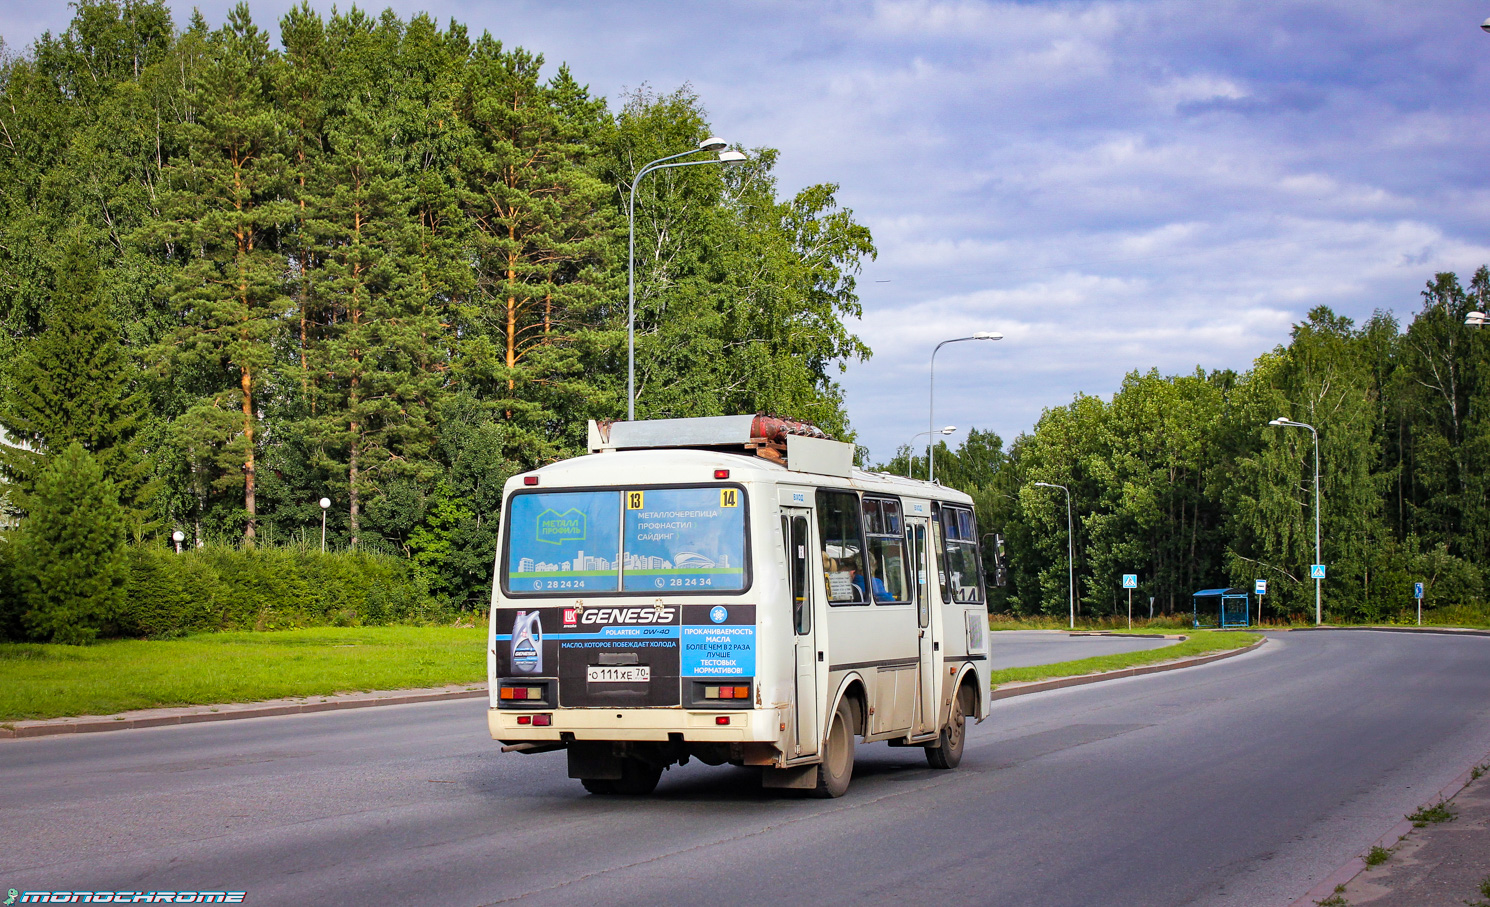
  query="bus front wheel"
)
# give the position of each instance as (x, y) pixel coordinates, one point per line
(837, 767)
(947, 752)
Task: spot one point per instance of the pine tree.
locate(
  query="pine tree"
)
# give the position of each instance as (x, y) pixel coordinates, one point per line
(221, 217)
(376, 361)
(75, 383)
(542, 224)
(72, 557)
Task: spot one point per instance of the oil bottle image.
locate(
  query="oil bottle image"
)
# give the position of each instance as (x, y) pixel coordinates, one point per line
(527, 643)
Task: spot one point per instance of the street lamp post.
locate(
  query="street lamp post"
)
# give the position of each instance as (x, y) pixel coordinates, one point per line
(1282, 422)
(1070, 547)
(910, 456)
(931, 403)
(325, 503)
(711, 144)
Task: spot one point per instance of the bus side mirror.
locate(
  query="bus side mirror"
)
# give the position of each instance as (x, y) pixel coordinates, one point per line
(1000, 565)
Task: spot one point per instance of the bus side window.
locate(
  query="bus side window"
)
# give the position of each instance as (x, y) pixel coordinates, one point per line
(887, 578)
(794, 534)
(939, 554)
(838, 525)
(963, 565)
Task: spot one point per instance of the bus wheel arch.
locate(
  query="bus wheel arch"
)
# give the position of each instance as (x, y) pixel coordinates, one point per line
(951, 739)
(836, 769)
(851, 691)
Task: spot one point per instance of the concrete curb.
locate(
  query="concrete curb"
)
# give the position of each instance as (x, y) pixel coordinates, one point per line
(196, 714)
(1357, 864)
(1010, 690)
(1442, 631)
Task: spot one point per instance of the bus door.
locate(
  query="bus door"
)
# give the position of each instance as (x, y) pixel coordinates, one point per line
(797, 539)
(917, 534)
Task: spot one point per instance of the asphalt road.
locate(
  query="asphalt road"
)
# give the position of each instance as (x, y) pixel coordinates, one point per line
(1241, 782)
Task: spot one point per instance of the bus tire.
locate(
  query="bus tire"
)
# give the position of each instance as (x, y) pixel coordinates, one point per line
(837, 767)
(947, 751)
(637, 779)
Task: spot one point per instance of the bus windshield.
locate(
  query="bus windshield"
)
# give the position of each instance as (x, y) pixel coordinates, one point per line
(643, 540)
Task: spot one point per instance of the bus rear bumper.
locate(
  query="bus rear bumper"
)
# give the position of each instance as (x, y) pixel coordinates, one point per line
(758, 726)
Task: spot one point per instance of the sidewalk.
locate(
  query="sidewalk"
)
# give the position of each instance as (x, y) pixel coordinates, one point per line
(1441, 864)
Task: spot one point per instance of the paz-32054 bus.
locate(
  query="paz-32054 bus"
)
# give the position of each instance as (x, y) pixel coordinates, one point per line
(732, 589)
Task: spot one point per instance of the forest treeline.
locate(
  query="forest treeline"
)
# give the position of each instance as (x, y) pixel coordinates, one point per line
(1181, 480)
(381, 261)
(384, 262)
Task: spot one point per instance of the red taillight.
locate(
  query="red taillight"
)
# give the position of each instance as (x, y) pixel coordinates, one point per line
(721, 473)
(530, 480)
(542, 720)
(525, 719)
(721, 719)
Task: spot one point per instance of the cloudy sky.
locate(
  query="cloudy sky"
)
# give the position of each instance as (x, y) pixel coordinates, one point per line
(1111, 185)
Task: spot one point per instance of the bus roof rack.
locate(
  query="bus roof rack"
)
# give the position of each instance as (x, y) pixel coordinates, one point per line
(799, 446)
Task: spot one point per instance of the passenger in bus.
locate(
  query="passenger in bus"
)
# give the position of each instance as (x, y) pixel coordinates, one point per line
(881, 594)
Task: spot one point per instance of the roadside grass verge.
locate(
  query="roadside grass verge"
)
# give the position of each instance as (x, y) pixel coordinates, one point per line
(1201, 642)
(51, 681)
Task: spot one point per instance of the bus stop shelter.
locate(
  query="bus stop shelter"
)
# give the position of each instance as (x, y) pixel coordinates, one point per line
(1231, 607)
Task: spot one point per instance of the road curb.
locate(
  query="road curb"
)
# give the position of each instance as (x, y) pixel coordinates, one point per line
(1441, 631)
(198, 714)
(1357, 864)
(1011, 690)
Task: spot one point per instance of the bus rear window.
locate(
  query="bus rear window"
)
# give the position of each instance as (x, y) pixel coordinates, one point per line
(629, 540)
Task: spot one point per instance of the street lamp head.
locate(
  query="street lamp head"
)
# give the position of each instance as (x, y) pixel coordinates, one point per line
(1045, 485)
(1279, 421)
(1476, 319)
(325, 503)
(948, 430)
(988, 335)
(1485, 25)
(730, 157)
(178, 536)
(713, 143)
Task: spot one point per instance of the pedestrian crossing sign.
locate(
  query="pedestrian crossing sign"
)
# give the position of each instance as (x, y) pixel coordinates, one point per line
(1130, 581)
(1316, 571)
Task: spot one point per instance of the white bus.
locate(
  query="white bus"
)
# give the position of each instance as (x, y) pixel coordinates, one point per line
(732, 589)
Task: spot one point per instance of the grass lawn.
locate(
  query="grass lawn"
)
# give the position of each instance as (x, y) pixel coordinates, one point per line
(1201, 642)
(47, 681)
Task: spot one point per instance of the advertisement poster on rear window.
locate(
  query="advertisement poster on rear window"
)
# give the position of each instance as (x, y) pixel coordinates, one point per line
(685, 539)
(564, 542)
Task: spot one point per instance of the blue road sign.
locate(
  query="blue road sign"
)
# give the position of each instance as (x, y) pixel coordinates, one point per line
(1417, 590)
(1130, 581)
(1316, 571)
(1260, 587)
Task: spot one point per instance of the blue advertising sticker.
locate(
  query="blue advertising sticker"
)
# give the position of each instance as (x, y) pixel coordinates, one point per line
(718, 652)
(685, 539)
(566, 541)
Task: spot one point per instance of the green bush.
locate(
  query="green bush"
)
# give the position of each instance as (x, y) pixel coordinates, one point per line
(223, 588)
(70, 559)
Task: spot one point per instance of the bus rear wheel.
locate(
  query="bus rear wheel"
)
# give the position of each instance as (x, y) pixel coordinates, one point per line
(947, 752)
(837, 767)
(637, 779)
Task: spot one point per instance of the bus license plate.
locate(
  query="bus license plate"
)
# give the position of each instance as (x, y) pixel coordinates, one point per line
(619, 674)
